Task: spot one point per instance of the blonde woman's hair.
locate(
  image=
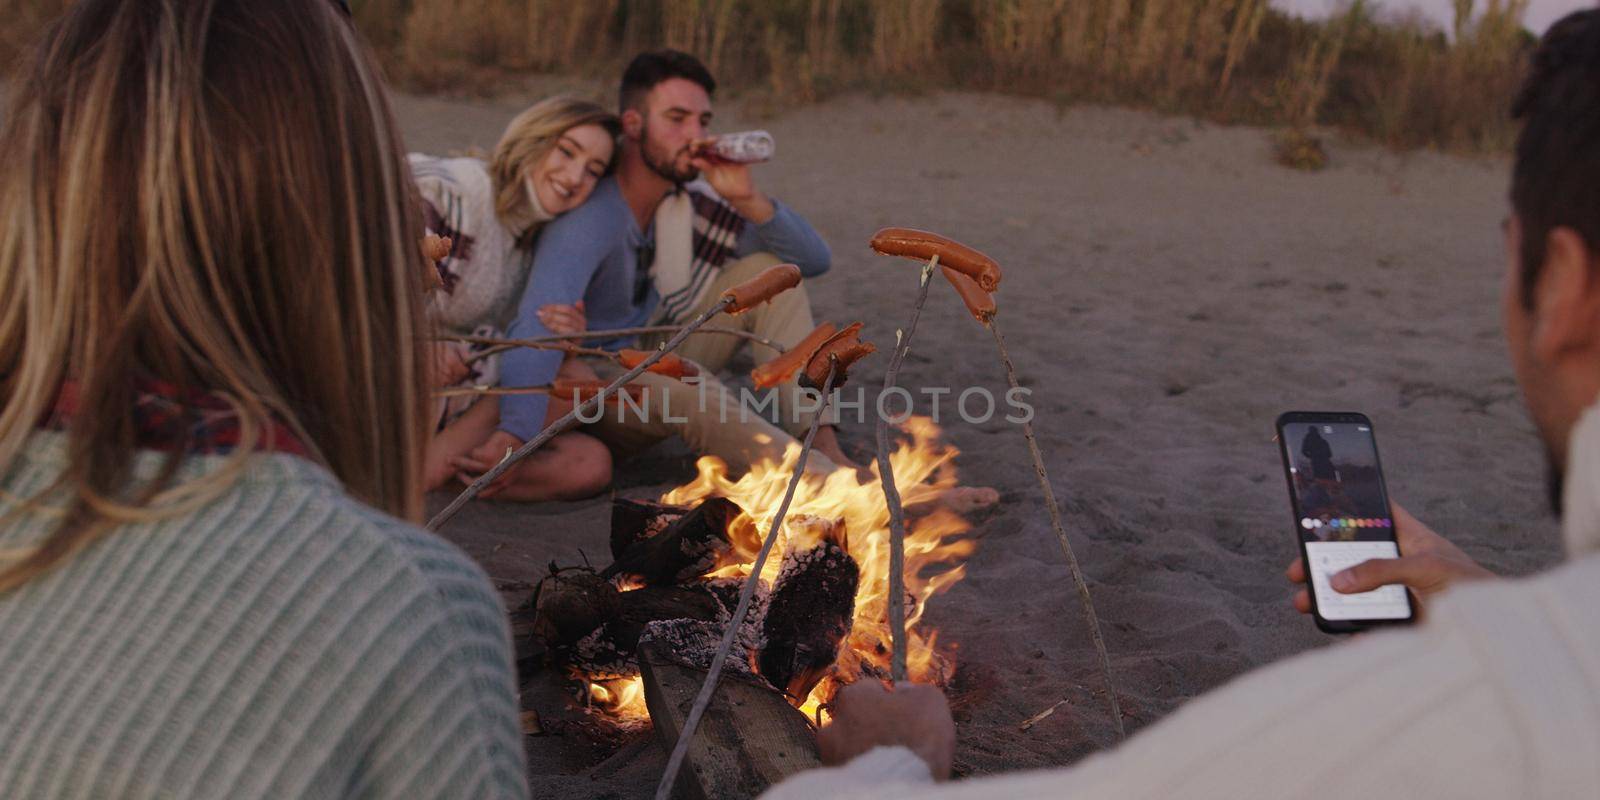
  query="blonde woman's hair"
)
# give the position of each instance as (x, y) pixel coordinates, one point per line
(212, 194)
(530, 137)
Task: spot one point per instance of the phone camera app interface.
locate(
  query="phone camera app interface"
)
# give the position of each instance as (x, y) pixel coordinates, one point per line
(1344, 516)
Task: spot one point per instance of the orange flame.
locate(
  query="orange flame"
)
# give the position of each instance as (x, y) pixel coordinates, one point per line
(933, 551)
(622, 699)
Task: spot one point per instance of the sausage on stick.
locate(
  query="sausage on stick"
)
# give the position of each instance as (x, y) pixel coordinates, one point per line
(743, 297)
(786, 364)
(770, 283)
(923, 246)
(670, 365)
(838, 352)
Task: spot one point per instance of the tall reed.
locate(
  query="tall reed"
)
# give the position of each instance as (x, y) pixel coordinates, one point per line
(1398, 80)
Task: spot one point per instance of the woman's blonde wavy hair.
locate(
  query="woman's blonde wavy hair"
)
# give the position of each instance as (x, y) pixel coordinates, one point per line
(210, 193)
(530, 136)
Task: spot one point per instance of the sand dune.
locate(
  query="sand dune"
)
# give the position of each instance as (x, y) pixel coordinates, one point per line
(1168, 291)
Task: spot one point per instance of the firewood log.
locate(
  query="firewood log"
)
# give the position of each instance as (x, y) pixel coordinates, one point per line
(633, 521)
(608, 651)
(692, 643)
(748, 740)
(689, 547)
(570, 604)
(811, 606)
(651, 603)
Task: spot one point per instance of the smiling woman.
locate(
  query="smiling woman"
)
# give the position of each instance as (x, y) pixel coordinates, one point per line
(546, 164)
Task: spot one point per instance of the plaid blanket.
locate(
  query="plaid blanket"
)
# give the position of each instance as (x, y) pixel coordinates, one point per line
(697, 233)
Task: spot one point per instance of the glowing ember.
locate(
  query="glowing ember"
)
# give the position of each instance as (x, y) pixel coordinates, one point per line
(933, 556)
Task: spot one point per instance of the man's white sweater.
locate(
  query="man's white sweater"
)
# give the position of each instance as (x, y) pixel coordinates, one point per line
(1496, 696)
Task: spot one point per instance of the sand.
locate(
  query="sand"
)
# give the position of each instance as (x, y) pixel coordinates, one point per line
(1168, 291)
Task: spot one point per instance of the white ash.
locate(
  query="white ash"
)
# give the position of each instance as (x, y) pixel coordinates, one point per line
(727, 590)
(693, 643)
(826, 555)
(708, 556)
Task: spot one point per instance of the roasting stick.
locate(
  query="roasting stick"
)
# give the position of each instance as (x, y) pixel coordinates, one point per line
(743, 297)
(500, 345)
(982, 306)
(680, 749)
(559, 388)
(891, 493)
(493, 391)
(1061, 533)
(975, 276)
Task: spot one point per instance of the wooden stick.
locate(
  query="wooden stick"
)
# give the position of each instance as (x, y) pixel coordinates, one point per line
(498, 349)
(495, 391)
(491, 391)
(560, 425)
(746, 594)
(891, 493)
(502, 345)
(555, 342)
(1061, 534)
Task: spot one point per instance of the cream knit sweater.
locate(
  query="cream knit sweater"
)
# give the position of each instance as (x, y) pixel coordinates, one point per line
(488, 269)
(1496, 696)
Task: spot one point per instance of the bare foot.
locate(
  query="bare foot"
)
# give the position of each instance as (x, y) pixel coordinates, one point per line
(965, 499)
(826, 442)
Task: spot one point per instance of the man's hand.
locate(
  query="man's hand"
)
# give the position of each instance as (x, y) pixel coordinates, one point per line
(449, 367)
(564, 320)
(1428, 564)
(734, 183)
(867, 715)
(483, 458)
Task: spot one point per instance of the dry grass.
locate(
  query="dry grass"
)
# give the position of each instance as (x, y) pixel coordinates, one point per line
(1297, 149)
(1397, 81)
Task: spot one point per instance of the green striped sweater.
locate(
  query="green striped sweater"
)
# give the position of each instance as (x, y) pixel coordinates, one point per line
(282, 641)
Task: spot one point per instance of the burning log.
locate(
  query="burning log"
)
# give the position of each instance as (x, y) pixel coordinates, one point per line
(633, 521)
(607, 653)
(607, 650)
(726, 591)
(653, 603)
(810, 609)
(749, 737)
(672, 628)
(688, 548)
(570, 604)
(692, 643)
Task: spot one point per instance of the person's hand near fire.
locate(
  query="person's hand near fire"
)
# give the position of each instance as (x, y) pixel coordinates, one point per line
(867, 715)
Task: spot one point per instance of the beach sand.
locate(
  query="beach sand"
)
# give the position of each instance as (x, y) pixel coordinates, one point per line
(1168, 291)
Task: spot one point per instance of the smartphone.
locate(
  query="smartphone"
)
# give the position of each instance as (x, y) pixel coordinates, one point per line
(1341, 515)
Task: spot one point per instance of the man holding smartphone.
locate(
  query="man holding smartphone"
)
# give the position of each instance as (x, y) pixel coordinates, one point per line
(1494, 695)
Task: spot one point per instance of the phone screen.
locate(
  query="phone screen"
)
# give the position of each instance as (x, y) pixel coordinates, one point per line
(1343, 513)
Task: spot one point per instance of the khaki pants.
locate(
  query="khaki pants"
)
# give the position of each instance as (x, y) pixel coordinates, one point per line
(705, 414)
(786, 319)
(708, 416)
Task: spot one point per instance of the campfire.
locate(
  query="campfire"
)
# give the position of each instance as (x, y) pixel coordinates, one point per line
(819, 622)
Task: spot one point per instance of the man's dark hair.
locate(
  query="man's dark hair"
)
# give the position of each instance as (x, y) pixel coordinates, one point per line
(1555, 181)
(646, 70)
